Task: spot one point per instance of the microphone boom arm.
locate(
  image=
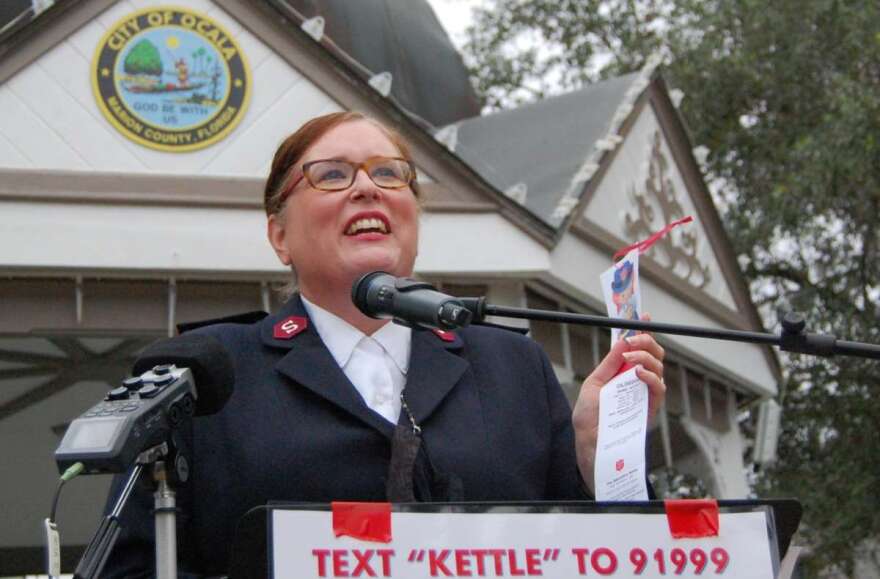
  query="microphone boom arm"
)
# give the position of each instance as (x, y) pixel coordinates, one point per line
(418, 304)
(792, 338)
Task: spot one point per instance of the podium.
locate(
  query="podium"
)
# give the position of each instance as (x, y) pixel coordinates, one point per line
(547, 539)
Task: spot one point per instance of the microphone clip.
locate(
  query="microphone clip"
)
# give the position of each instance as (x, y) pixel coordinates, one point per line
(451, 315)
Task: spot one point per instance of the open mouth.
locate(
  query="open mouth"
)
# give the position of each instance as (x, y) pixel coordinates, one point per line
(368, 224)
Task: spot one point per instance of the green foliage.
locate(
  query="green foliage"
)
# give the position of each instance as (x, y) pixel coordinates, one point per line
(669, 483)
(786, 96)
(143, 59)
(519, 50)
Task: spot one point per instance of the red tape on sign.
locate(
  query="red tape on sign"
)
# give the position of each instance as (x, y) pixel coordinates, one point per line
(367, 521)
(692, 518)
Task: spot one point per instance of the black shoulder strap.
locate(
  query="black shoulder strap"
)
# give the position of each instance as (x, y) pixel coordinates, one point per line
(245, 318)
(516, 329)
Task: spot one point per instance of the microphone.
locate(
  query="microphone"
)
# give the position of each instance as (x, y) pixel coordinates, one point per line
(408, 302)
(143, 411)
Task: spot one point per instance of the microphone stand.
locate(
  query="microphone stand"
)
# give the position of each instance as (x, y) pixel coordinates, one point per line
(793, 338)
(95, 556)
(165, 523)
(418, 304)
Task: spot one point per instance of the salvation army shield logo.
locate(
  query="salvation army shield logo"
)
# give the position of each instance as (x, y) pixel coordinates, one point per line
(171, 79)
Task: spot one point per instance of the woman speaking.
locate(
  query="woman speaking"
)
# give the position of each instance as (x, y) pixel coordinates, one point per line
(331, 405)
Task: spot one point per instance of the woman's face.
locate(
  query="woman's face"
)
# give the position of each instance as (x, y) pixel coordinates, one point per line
(316, 231)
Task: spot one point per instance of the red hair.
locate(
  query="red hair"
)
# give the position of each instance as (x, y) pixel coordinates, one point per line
(296, 145)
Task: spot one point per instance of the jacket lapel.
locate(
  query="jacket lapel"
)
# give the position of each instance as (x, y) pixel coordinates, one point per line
(434, 369)
(310, 365)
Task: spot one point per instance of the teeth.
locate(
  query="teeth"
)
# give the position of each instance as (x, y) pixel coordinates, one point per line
(366, 224)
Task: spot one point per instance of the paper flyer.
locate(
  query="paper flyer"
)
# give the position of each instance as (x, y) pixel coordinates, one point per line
(622, 291)
(620, 472)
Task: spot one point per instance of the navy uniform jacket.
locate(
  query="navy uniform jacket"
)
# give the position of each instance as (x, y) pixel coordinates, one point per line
(295, 429)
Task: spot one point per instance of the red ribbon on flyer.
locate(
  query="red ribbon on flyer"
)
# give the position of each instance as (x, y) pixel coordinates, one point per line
(366, 521)
(646, 244)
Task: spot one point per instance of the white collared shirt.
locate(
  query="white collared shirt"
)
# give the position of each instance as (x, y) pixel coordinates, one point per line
(376, 365)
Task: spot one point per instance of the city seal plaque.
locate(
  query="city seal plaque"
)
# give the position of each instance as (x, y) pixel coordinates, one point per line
(171, 79)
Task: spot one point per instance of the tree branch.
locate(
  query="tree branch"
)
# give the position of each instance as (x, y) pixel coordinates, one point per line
(778, 270)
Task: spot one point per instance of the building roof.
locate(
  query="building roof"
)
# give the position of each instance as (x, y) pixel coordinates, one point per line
(563, 131)
(405, 38)
(402, 37)
(12, 11)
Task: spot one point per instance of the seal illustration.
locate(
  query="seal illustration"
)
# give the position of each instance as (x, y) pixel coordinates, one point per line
(171, 79)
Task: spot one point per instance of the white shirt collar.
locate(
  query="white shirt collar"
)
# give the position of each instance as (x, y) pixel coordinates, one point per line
(396, 341)
(341, 338)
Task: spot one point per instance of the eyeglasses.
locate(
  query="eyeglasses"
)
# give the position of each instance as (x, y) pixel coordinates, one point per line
(336, 175)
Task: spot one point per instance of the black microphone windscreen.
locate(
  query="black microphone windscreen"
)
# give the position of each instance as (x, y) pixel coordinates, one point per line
(206, 358)
(361, 287)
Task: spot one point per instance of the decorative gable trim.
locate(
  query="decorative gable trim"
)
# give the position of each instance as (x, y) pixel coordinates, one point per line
(592, 185)
(596, 235)
(657, 191)
(679, 142)
(608, 144)
(674, 131)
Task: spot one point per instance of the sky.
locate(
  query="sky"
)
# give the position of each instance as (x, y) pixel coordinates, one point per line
(456, 15)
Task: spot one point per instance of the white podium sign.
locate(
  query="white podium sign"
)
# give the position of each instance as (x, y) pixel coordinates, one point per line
(492, 544)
